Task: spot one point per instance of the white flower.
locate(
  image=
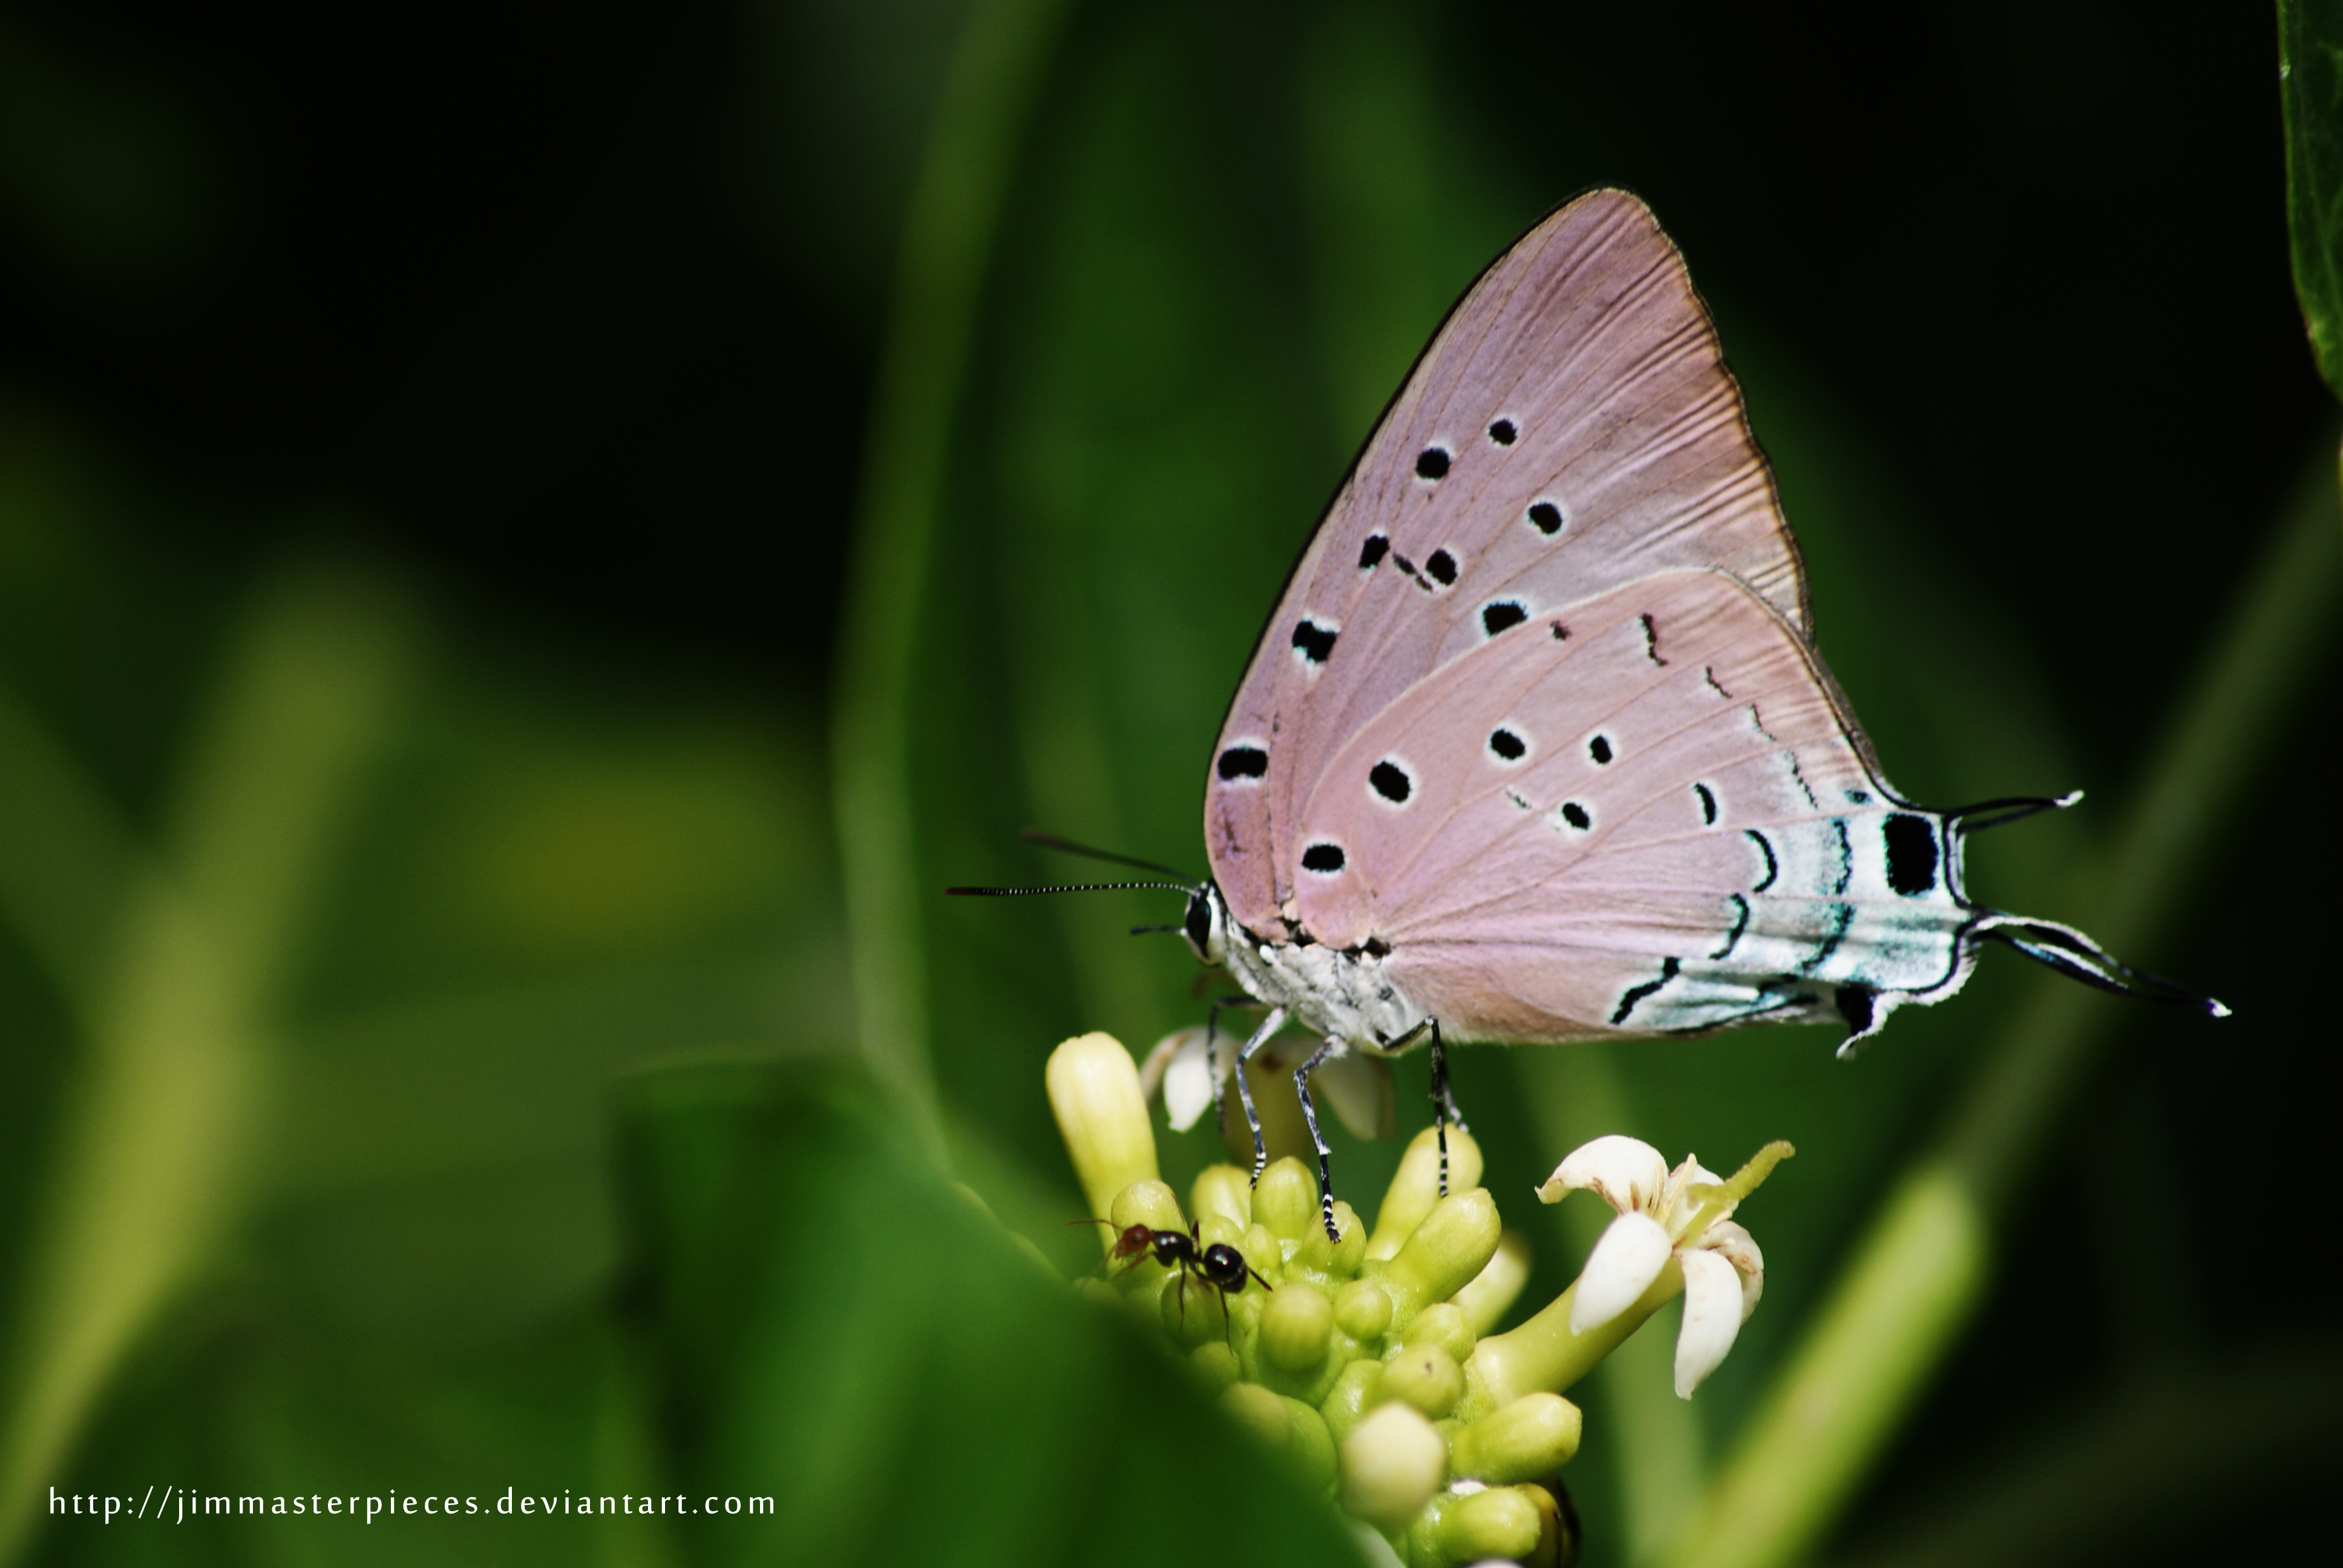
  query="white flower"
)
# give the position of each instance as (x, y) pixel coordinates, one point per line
(1684, 1215)
(1183, 1070)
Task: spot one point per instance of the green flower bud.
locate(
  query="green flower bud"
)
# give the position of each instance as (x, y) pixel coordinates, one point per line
(1149, 1203)
(1443, 1323)
(1103, 1116)
(1558, 1543)
(1426, 1377)
(1357, 1391)
(1335, 1260)
(1222, 1189)
(1214, 1362)
(1454, 1243)
(1416, 1188)
(1296, 1325)
(1261, 1250)
(1285, 1200)
(1310, 1442)
(1534, 1436)
(1499, 1523)
(1498, 1286)
(1363, 1309)
(1259, 1411)
(1219, 1229)
(1391, 1463)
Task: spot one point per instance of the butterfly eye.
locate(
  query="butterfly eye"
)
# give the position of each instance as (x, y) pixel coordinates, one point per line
(1503, 433)
(1545, 517)
(1432, 463)
(1325, 859)
(1390, 780)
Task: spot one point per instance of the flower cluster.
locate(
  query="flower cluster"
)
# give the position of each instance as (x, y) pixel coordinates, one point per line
(1369, 1359)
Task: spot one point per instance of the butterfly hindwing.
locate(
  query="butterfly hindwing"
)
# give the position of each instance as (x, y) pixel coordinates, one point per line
(1572, 428)
(1643, 814)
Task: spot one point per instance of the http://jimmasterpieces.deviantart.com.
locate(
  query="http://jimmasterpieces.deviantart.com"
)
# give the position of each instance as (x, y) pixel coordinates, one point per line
(171, 1504)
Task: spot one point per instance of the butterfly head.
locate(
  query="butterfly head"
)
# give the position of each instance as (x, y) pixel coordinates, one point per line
(1206, 923)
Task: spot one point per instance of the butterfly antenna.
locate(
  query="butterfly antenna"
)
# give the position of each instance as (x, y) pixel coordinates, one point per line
(2013, 808)
(1068, 846)
(1063, 888)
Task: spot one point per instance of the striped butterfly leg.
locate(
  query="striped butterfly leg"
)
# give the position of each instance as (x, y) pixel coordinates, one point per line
(1269, 1026)
(1326, 1047)
(1211, 1035)
(1444, 1102)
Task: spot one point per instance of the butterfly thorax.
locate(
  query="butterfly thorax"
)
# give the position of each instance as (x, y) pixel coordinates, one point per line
(1344, 994)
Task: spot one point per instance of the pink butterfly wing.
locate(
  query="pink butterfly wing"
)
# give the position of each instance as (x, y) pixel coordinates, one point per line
(1657, 822)
(1588, 434)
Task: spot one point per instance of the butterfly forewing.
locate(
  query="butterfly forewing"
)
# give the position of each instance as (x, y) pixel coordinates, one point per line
(1657, 822)
(1572, 428)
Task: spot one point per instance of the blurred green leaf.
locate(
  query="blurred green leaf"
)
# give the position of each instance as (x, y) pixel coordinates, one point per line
(829, 1323)
(2311, 97)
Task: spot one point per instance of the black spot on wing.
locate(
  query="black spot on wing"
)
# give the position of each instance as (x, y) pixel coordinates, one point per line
(1373, 550)
(1441, 568)
(1391, 781)
(1507, 746)
(1432, 463)
(1707, 804)
(1315, 641)
(1576, 816)
(1846, 856)
(1561, 632)
(1599, 748)
(1856, 1005)
(1243, 762)
(1858, 796)
(1545, 517)
(1325, 859)
(1911, 854)
(1503, 433)
(1638, 992)
(1773, 867)
(1740, 924)
(1651, 640)
(1500, 614)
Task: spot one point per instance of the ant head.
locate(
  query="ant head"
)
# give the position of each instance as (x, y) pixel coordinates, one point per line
(1226, 1267)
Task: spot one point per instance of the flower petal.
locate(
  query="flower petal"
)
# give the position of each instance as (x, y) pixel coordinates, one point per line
(1712, 1317)
(1187, 1078)
(1626, 1259)
(1625, 1173)
(1359, 1087)
(1739, 1248)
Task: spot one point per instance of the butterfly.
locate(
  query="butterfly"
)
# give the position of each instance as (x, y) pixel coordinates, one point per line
(1537, 746)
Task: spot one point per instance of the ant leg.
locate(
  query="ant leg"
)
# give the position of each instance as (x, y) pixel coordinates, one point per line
(1269, 1026)
(1444, 1102)
(1309, 1114)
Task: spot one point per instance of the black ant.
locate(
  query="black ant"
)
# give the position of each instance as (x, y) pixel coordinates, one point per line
(1223, 1266)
